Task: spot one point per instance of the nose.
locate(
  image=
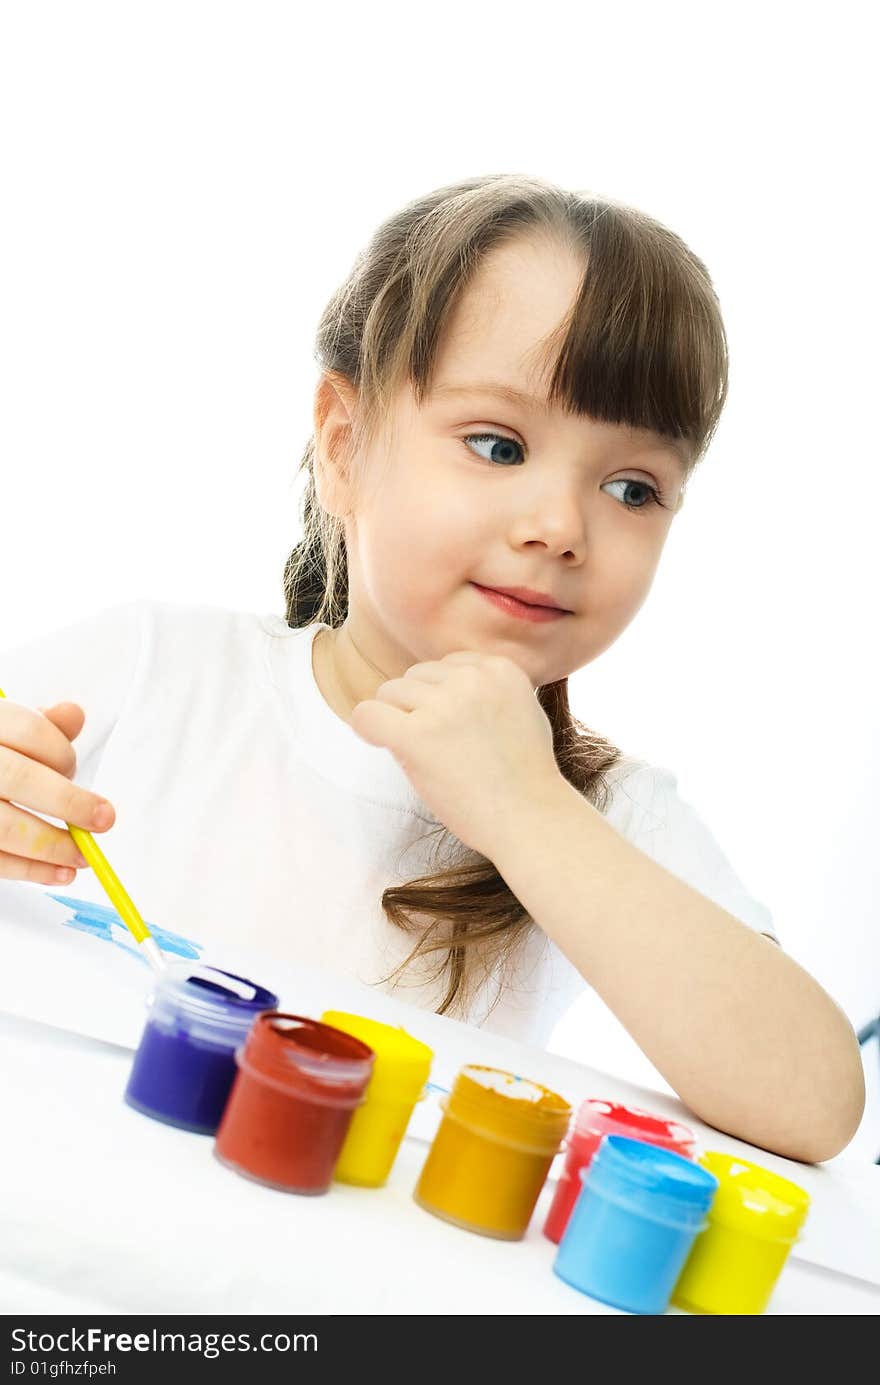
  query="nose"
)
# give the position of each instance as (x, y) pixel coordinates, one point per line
(556, 519)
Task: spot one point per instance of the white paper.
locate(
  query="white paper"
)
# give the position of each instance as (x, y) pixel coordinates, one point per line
(103, 1210)
(58, 976)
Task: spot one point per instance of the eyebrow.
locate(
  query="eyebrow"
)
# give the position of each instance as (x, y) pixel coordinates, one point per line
(531, 401)
(502, 391)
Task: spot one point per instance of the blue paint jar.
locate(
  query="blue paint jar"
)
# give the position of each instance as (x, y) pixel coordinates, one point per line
(184, 1067)
(639, 1211)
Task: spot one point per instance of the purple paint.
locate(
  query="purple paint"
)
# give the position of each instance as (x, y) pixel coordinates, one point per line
(184, 1067)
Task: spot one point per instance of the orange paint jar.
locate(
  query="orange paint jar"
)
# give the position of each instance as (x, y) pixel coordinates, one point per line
(492, 1152)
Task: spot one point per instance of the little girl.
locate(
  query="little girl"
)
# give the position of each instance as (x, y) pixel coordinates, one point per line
(516, 385)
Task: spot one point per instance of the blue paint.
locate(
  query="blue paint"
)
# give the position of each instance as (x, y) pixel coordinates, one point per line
(184, 1068)
(85, 906)
(98, 921)
(639, 1211)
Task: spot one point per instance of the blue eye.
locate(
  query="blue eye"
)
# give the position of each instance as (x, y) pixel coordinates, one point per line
(501, 445)
(506, 444)
(652, 492)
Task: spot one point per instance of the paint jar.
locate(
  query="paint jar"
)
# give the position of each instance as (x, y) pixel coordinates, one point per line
(634, 1223)
(298, 1085)
(753, 1223)
(492, 1152)
(400, 1072)
(184, 1067)
(594, 1120)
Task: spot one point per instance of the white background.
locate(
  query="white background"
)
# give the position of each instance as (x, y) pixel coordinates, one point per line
(184, 185)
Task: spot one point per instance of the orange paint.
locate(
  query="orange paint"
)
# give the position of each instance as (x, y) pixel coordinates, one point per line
(492, 1152)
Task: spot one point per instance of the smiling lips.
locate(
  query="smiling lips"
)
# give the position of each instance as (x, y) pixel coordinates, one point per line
(523, 610)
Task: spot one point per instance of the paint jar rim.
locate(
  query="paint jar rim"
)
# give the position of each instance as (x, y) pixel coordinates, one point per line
(402, 1064)
(598, 1116)
(188, 997)
(482, 1099)
(321, 1064)
(655, 1183)
(754, 1200)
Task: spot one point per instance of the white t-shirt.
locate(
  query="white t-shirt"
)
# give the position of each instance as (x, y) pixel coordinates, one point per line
(248, 812)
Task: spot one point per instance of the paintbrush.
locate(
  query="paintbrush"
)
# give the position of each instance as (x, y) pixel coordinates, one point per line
(117, 894)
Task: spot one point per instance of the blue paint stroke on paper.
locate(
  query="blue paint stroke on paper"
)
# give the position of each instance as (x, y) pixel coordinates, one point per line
(98, 921)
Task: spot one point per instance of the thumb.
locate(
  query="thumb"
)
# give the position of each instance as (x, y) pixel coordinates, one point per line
(69, 717)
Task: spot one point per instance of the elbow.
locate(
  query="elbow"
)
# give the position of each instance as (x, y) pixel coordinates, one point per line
(837, 1107)
(832, 1136)
(814, 1114)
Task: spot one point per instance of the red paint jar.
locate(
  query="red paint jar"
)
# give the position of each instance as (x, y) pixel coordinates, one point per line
(594, 1120)
(298, 1085)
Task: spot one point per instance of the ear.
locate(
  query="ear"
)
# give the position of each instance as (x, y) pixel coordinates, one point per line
(335, 397)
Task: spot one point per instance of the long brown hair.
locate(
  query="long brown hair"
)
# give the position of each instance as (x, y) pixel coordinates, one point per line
(645, 346)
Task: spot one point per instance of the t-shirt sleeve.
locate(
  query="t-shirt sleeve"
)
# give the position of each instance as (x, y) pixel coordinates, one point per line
(91, 662)
(648, 809)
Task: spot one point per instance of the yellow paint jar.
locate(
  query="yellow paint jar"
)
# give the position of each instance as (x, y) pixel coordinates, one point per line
(492, 1152)
(400, 1072)
(754, 1221)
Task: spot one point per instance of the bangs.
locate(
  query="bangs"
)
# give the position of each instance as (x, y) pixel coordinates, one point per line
(642, 347)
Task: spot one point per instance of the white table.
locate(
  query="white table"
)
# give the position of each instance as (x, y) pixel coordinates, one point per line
(105, 1211)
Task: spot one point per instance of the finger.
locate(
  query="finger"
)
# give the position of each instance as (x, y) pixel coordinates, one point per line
(471, 656)
(68, 717)
(24, 834)
(39, 736)
(432, 671)
(406, 693)
(34, 872)
(499, 663)
(33, 785)
(379, 723)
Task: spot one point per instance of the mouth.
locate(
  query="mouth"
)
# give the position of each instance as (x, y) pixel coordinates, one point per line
(521, 610)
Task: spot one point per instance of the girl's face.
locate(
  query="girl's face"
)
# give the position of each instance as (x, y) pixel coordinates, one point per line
(478, 487)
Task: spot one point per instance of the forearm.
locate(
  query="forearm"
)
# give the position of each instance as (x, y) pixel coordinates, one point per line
(749, 1041)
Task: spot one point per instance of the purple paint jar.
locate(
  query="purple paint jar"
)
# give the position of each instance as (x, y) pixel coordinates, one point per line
(184, 1067)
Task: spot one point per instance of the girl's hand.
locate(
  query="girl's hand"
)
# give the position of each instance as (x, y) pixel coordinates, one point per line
(470, 735)
(37, 762)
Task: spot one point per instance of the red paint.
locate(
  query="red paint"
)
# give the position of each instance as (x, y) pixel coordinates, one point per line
(298, 1085)
(519, 608)
(594, 1120)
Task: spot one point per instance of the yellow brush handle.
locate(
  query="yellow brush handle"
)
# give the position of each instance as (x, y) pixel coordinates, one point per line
(113, 887)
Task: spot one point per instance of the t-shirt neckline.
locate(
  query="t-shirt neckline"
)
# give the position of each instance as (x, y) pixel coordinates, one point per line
(324, 739)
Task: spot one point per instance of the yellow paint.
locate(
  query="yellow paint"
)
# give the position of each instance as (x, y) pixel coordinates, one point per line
(400, 1072)
(492, 1152)
(754, 1220)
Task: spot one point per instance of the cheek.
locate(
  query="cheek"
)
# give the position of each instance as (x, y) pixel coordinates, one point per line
(626, 577)
(420, 537)
(404, 564)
